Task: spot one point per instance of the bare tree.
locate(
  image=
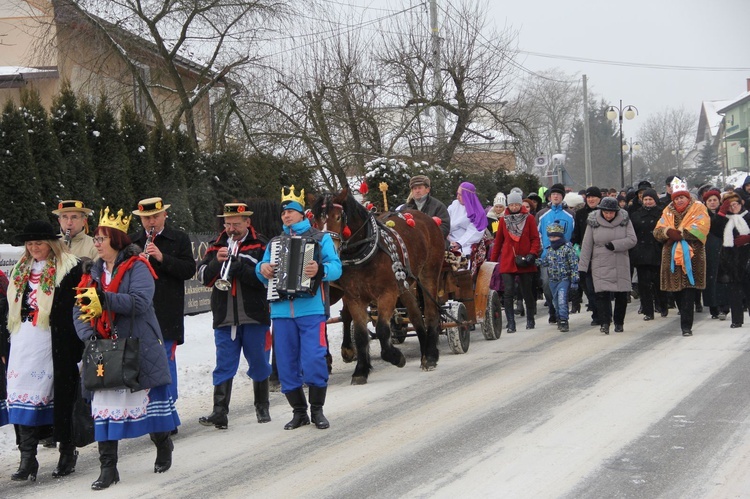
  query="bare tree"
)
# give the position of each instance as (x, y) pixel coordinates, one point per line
(663, 136)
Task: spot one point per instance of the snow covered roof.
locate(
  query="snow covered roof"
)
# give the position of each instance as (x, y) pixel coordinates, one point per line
(14, 76)
(744, 96)
(711, 109)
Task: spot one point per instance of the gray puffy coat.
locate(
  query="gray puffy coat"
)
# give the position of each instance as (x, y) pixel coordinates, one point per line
(609, 269)
(135, 317)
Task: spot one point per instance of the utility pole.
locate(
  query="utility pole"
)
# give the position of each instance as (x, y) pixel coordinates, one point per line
(586, 135)
(437, 80)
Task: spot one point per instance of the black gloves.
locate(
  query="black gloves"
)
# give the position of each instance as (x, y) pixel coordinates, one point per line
(610, 246)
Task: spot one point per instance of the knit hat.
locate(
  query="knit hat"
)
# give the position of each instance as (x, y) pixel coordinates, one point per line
(650, 193)
(514, 198)
(499, 199)
(419, 180)
(559, 188)
(573, 199)
(609, 204)
(593, 192)
(518, 190)
(679, 188)
(711, 192)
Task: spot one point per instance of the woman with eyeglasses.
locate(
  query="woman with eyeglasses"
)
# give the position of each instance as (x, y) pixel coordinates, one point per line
(116, 298)
(44, 349)
(731, 224)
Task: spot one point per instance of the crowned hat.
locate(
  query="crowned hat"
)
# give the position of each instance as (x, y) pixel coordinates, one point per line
(679, 188)
(150, 206)
(235, 210)
(72, 205)
(555, 229)
(119, 222)
(292, 201)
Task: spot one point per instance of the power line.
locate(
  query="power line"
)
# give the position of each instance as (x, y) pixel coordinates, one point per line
(669, 67)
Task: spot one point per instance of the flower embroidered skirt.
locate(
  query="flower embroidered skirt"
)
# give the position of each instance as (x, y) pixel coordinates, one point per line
(30, 380)
(122, 414)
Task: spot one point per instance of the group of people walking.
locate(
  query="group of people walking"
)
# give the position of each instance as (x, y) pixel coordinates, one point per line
(69, 287)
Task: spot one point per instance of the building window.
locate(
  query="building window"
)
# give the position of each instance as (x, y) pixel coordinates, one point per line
(141, 103)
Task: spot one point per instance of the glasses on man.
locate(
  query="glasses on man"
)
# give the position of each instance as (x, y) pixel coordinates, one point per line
(71, 217)
(100, 239)
(236, 225)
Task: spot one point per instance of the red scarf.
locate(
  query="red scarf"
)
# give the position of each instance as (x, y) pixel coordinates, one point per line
(103, 324)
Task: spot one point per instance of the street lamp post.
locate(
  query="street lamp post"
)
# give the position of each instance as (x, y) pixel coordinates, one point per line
(677, 153)
(617, 113)
(631, 146)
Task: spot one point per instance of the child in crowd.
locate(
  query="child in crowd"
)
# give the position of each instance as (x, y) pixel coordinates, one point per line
(562, 266)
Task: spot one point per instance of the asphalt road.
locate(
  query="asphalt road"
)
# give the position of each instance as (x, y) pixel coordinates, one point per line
(645, 413)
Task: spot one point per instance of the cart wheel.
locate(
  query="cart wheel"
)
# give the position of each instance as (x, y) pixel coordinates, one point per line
(398, 332)
(458, 336)
(492, 326)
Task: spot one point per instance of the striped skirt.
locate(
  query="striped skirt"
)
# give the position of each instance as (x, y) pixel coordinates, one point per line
(122, 414)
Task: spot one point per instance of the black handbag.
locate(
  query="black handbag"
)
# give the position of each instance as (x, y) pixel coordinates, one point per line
(111, 363)
(521, 261)
(83, 421)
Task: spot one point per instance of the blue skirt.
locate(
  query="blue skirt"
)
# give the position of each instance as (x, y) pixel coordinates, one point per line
(121, 414)
(28, 414)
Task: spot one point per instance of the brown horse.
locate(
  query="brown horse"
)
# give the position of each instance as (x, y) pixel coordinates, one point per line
(396, 257)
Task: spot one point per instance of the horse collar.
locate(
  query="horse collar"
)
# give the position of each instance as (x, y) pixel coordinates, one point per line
(369, 245)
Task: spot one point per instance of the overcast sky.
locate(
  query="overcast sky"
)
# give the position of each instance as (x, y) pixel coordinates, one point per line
(647, 32)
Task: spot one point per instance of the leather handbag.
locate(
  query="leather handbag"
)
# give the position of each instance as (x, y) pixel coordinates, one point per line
(521, 261)
(111, 363)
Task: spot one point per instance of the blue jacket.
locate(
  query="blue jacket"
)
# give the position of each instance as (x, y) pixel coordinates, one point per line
(549, 215)
(329, 261)
(561, 263)
(134, 316)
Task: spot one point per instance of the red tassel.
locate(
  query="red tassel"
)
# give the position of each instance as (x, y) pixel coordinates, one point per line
(363, 188)
(438, 221)
(410, 222)
(346, 233)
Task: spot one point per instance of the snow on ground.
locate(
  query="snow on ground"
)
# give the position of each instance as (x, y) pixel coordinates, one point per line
(195, 362)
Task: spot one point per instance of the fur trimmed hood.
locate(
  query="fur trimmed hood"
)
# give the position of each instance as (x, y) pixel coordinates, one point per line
(622, 218)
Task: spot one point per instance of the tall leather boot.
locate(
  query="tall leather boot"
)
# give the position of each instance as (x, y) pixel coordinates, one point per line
(108, 459)
(27, 444)
(222, 396)
(260, 390)
(67, 462)
(164, 448)
(510, 319)
(299, 405)
(317, 400)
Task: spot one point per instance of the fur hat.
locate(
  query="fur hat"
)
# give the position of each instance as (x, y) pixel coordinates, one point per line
(38, 231)
(609, 204)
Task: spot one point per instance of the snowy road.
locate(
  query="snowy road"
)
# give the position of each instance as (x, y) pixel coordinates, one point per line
(646, 413)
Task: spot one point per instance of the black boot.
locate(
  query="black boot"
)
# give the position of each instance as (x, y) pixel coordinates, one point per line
(27, 444)
(510, 318)
(164, 448)
(317, 400)
(604, 328)
(67, 462)
(299, 405)
(530, 324)
(108, 459)
(222, 396)
(260, 390)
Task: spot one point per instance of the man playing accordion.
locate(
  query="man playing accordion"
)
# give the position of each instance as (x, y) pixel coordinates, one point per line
(299, 321)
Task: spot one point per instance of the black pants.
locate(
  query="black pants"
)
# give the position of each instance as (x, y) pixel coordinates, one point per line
(524, 282)
(736, 298)
(685, 301)
(587, 281)
(604, 306)
(648, 288)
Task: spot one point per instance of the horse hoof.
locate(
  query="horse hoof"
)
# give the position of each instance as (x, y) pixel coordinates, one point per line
(348, 355)
(428, 365)
(401, 362)
(359, 380)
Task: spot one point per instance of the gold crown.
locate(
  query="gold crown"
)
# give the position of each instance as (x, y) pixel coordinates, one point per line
(291, 197)
(107, 219)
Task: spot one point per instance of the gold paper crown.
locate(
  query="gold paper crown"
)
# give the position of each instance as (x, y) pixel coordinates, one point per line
(107, 219)
(291, 197)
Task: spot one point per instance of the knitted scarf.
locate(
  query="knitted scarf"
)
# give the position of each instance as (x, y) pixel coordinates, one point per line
(735, 222)
(52, 275)
(515, 223)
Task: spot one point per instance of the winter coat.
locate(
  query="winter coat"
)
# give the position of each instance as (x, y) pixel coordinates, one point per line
(134, 315)
(434, 208)
(329, 265)
(648, 250)
(715, 293)
(732, 259)
(245, 302)
(505, 249)
(678, 280)
(579, 229)
(554, 213)
(561, 263)
(609, 269)
(177, 266)
(82, 245)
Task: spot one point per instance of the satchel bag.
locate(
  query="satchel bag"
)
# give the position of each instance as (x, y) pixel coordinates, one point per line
(111, 363)
(521, 261)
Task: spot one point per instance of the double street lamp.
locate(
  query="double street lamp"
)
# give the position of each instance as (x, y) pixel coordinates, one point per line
(631, 146)
(617, 113)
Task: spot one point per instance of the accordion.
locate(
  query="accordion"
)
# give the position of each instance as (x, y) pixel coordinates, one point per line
(291, 254)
